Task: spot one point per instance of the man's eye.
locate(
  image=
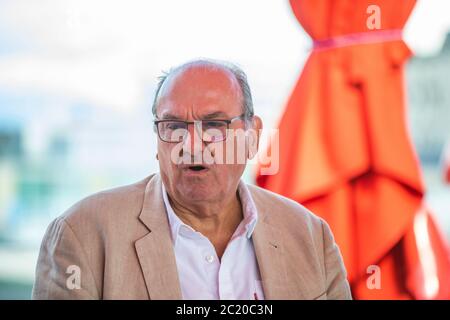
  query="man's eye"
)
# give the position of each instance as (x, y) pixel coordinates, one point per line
(174, 126)
(213, 124)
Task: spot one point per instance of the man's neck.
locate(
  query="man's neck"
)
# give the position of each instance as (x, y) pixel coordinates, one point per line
(216, 221)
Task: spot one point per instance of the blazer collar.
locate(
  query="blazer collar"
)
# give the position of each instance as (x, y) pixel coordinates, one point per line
(155, 250)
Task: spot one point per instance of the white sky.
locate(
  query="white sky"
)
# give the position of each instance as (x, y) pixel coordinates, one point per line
(108, 53)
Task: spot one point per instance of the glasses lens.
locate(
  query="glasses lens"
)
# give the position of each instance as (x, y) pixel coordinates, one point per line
(177, 131)
(214, 131)
(172, 131)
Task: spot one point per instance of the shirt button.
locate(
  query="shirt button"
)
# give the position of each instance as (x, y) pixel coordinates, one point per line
(209, 258)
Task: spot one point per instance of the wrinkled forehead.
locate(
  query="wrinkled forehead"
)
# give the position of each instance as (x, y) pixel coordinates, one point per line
(200, 89)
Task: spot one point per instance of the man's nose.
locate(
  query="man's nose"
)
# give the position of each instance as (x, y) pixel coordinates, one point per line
(193, 141)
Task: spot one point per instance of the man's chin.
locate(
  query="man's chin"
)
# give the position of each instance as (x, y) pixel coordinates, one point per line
(197, 192)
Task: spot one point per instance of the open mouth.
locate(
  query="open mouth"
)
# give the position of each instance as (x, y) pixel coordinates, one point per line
(197, 168)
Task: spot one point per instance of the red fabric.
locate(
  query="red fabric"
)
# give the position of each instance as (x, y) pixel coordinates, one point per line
(345, 152)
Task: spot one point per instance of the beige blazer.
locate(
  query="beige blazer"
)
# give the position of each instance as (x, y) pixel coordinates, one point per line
(116, 244)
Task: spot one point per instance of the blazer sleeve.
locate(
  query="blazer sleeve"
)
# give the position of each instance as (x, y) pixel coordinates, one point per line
(62, 270)
(337, 285)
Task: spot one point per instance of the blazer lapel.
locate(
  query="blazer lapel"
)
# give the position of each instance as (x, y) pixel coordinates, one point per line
(280, 280)
(269, 254)
(155, 250)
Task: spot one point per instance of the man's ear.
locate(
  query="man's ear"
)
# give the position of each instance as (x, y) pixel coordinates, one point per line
(253, 134)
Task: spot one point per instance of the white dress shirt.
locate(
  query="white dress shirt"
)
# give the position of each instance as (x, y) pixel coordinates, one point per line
(202, 275)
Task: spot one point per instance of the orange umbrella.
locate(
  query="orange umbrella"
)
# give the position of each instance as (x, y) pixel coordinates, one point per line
(345, 152)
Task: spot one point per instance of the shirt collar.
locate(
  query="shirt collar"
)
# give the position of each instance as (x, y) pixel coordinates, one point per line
(174, 221)
(248, 209)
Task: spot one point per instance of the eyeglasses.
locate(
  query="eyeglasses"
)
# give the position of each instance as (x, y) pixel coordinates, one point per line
(211, 130)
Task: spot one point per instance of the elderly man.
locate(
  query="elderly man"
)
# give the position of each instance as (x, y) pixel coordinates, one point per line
(194, 230)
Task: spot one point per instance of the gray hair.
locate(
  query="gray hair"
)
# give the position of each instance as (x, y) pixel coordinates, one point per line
(238, 73)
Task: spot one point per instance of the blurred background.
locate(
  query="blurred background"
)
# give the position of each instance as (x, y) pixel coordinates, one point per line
(77, 79)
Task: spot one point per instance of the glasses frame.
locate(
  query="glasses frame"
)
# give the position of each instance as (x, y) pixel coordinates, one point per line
(156, 123)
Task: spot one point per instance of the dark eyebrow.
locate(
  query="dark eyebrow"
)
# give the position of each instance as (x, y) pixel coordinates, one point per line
(209, 116)
(168, 116)
(215, 115)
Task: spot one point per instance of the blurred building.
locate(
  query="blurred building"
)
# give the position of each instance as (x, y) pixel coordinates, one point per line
(50, 161)
(428, 88)
(429, 103)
